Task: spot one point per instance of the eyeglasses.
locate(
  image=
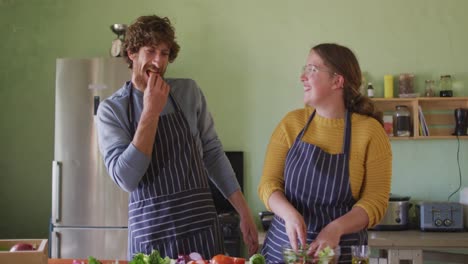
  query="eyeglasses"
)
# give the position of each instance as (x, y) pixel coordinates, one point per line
(312, 69)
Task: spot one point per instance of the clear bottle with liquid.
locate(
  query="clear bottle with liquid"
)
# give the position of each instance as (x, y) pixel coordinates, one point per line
(370, 90)
(363, 87)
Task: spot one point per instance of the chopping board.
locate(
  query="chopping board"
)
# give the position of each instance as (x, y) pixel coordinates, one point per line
(70, 261)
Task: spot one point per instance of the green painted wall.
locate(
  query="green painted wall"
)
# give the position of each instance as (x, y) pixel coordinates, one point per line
(246, 56)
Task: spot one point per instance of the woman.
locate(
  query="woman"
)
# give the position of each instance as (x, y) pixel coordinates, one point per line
(327, 169)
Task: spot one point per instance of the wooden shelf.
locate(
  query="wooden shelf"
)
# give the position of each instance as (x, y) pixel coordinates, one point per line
(438, 112)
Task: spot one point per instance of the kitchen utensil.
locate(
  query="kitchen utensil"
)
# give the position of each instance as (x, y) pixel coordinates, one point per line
(116, 48)
(118, 29)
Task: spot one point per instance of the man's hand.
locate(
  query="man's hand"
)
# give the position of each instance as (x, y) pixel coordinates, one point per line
(154, 100)
(155, 95)
(249, 233)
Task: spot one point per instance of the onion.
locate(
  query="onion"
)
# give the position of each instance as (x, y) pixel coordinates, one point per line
(181, 259)
(195, 256)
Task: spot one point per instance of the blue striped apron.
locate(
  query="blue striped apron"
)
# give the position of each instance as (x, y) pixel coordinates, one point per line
(172, 210)
(317, 185)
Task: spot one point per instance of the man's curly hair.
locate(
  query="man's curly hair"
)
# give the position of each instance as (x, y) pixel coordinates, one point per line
(150, 31)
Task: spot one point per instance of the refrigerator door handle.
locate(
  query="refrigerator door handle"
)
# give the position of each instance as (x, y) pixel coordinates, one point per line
(57, 183)
(58, 241)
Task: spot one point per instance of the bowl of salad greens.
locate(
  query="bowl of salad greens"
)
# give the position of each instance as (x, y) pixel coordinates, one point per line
(327, 255)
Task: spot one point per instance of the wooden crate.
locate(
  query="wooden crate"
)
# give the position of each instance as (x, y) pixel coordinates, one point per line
(38, 256)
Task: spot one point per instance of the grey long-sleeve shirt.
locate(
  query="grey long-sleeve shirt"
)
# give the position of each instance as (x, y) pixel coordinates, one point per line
(126, 164)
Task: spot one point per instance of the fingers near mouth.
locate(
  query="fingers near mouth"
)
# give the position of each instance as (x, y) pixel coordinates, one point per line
(151, 70)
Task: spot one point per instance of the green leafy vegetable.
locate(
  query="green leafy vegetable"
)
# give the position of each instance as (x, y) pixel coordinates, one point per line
(153, 258)
(325, 255)
(257, 259)
(92, 260)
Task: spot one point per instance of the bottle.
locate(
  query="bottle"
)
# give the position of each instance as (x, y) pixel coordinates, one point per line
(402, 121)
(363, 88)
(370, 90)
(388, 86)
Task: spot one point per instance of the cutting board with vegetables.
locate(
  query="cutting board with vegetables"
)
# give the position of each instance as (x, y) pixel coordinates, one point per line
(156, 258)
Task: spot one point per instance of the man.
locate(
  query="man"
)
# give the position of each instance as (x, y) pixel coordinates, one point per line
(158, 142)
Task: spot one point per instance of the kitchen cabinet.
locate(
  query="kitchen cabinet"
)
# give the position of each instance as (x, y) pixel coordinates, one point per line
(438, 113)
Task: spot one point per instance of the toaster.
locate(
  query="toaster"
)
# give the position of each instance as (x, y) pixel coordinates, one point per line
(441, 216)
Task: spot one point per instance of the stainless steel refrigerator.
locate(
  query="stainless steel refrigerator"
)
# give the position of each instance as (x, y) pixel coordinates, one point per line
(89, 211)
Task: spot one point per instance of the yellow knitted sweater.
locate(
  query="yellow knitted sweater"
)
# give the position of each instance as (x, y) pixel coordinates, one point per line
(370, 164)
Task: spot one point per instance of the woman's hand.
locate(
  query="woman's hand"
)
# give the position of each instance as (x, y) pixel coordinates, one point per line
(295, 229)
(329, 236)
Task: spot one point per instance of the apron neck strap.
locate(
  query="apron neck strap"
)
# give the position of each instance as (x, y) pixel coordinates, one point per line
(346, 135)
(131, 108)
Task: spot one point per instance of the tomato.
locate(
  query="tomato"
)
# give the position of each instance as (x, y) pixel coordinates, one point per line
(223, 259)
(239, 260)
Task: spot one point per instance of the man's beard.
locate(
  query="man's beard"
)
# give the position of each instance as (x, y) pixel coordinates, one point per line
(140, 81)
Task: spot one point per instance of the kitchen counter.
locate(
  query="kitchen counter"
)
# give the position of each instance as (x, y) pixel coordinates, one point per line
(417, 239)
(394, 241)
(412, 245)
(411, 239)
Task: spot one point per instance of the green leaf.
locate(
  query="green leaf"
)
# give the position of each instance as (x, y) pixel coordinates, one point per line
(257, 259)
(92, 260)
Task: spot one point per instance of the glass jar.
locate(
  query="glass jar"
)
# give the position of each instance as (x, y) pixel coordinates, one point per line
(406, 83)
(430, 88)
(402, 121)
(445, 82)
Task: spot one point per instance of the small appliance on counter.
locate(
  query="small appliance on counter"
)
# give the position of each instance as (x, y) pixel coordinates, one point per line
(265, 218)
(464, 202)
(441, 216)
(396, 217)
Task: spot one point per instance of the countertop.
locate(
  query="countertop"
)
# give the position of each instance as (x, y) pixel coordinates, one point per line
(412, 239)
(417, 239)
